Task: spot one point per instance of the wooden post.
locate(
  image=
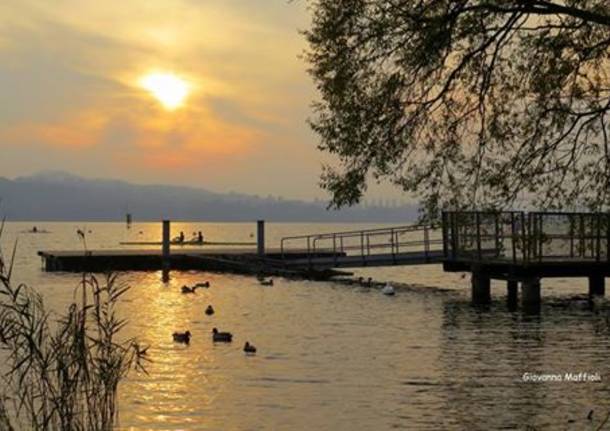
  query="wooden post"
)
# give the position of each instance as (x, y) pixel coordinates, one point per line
(165, 251)
(260, 237)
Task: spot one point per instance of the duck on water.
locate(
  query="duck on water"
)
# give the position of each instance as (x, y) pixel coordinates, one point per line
(182, 337)
(221, 337)
(388, 290)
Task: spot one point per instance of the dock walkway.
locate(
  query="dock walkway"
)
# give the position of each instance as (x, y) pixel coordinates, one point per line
(518, 247)
(205, 259)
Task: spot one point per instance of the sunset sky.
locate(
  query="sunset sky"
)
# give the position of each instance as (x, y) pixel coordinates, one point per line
(206, 93)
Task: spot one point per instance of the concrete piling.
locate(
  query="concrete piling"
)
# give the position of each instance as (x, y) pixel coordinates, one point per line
(530, 295)
(597, 285)
(512, 298)
(481, 288)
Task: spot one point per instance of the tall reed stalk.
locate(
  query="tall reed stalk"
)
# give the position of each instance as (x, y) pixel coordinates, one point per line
(62, 373)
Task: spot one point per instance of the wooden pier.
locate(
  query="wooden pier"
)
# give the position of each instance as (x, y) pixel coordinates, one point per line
(517, 247)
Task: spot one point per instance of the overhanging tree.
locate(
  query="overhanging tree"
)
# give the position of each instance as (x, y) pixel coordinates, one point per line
(465, 103)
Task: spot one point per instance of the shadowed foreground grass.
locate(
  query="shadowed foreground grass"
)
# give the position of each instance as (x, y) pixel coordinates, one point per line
(62, 372)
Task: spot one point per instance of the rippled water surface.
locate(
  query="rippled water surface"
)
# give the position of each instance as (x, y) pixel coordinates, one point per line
(333, 356)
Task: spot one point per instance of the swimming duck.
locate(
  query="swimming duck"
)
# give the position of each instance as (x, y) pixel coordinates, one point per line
(205, 284)
(221, 337)
(249, 349)
(186, 289)
(182, 337)
(388, 289)
(209, 310)
(366, 283)
(266, 282)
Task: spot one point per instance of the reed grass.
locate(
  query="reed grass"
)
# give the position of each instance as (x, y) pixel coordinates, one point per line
(62, 371)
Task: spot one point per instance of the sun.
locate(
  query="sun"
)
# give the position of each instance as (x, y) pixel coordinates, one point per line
(169, 89)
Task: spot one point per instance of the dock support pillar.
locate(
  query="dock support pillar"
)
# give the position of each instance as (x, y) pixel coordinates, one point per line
(530, 295)
(165, 250)
(260, 237)
(512, 298)
(481, 288)
(597, 285)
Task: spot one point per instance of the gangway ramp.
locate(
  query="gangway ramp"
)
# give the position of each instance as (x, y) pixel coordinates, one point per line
(399, 245)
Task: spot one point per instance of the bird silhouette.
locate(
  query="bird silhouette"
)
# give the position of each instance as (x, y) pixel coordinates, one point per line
(182, 337)
(249, 349)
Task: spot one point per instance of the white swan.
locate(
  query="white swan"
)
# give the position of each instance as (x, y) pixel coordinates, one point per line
(388, 289)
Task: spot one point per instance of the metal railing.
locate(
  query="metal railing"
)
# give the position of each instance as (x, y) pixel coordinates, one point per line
(526, 237)
(390, 241)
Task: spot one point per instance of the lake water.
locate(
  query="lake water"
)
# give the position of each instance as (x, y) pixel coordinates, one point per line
(333, 356)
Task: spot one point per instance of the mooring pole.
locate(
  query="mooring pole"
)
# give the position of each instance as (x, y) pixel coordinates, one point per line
(260, 237)
(165, 250)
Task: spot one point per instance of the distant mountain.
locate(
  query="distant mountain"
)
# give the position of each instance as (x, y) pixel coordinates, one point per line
(59, 196)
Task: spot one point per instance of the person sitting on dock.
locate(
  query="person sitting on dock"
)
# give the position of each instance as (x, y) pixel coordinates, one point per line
(200, 237)
(181, 237)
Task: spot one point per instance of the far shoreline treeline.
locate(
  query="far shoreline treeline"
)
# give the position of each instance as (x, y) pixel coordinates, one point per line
(61, 197)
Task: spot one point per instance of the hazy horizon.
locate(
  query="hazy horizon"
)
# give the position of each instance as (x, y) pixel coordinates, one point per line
(60, 196)
(369, 201)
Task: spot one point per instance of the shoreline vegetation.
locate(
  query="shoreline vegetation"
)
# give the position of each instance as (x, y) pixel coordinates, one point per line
(63, 371)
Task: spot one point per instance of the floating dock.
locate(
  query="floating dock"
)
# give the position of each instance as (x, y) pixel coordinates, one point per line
(226, 260)
(190, 243)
